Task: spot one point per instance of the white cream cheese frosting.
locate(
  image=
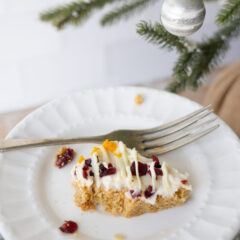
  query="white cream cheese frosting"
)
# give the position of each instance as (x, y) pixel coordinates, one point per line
(112, 167)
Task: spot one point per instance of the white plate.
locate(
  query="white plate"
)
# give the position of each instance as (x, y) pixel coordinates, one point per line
(36, 197)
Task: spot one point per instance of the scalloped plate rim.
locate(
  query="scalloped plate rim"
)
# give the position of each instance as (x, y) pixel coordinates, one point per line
(51, 103)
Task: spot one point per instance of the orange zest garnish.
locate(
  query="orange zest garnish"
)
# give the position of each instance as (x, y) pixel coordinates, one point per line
(118, 154)
(110, 146)
(81, 159)
(95, 149)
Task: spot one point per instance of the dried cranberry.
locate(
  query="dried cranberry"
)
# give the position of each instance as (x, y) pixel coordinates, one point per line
(64, 158)
(148, 192)
(155, 158)
(69, 153)
(110, 165)
(184, 181)
(142, 169)
(135, 194)
(157, 164)
(85, 168)
(85, 174)
(91, 173)
(102, 167)
(69, 227)
(103, 171)
(60, 161)
(158, 171)
(111, 171)
(88, 162)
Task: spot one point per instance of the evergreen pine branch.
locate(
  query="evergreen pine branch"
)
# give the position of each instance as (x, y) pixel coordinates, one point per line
(229, 12)
(180, 72)
(73, 13)
(192, 66)
(158, 35)
(124, 11)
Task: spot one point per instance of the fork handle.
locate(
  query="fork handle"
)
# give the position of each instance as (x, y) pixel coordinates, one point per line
(13, 144)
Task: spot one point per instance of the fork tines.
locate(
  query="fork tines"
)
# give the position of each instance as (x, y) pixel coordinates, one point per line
(158, 140)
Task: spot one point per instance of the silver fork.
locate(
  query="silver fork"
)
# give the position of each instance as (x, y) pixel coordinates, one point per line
(148, 142)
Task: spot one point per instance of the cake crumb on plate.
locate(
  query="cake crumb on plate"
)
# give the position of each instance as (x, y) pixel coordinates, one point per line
(119, 236)
(63, 156)
(138, 99)
(77, 235)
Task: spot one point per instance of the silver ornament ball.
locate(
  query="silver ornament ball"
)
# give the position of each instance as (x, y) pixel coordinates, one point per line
(182, 17)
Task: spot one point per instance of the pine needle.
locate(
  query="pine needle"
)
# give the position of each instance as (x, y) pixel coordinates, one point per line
(229, 12)
(124, 11)
(158, 35)
(191, 67)
(180, 73)
(73, 13)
